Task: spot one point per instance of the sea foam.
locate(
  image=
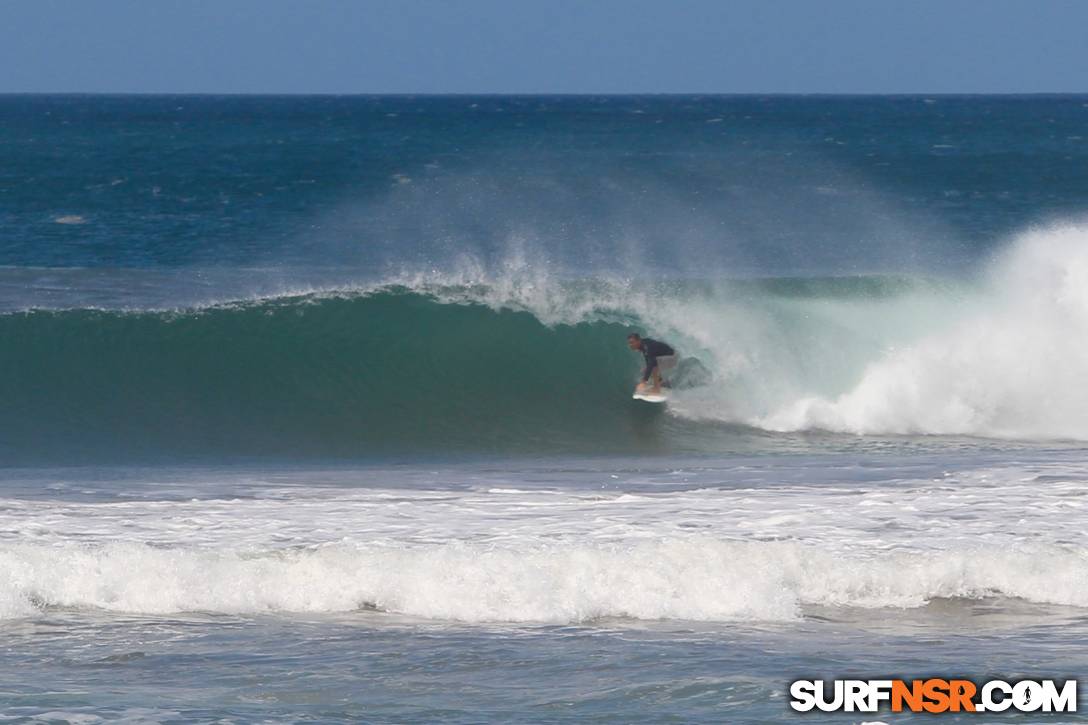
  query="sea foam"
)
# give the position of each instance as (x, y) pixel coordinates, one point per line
(1010, 363)
(690, 579)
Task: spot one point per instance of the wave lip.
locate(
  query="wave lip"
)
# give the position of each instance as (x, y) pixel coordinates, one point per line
(686, 579)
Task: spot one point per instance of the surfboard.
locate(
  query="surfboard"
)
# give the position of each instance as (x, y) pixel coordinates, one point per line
(650, 397)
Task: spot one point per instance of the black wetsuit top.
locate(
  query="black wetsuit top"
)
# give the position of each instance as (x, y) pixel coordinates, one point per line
(652, 350)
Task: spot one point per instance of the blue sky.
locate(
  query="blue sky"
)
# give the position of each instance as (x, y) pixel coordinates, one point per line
(552, 46)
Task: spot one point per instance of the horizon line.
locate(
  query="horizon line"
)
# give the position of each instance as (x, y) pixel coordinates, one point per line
(551, 94)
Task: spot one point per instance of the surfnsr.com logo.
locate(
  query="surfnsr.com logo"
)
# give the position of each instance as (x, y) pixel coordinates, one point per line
(934, 695)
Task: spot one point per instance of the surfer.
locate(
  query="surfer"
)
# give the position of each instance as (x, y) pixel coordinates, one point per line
(658, 355)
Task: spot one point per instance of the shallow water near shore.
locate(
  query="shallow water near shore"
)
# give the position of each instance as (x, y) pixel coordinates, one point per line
(634, 589)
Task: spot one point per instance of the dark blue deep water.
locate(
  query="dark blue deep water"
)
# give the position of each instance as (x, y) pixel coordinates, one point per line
(171, 181)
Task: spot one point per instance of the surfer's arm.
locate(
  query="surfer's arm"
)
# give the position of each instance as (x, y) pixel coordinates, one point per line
(651, 363)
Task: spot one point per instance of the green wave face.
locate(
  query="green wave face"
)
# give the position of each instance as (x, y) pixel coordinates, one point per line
(386, 373)
(540, 368)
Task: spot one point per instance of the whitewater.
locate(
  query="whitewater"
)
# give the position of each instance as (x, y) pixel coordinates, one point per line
(712, 543)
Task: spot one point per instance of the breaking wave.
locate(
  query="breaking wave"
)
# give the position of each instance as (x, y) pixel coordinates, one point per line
(692, 579)
(523, 361)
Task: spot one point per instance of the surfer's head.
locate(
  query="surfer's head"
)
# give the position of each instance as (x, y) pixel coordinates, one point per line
(634, 341)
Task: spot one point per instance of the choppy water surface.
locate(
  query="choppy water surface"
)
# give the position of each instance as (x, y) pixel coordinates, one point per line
(317, 409)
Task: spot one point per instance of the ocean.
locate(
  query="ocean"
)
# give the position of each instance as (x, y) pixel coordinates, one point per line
(317, 409)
